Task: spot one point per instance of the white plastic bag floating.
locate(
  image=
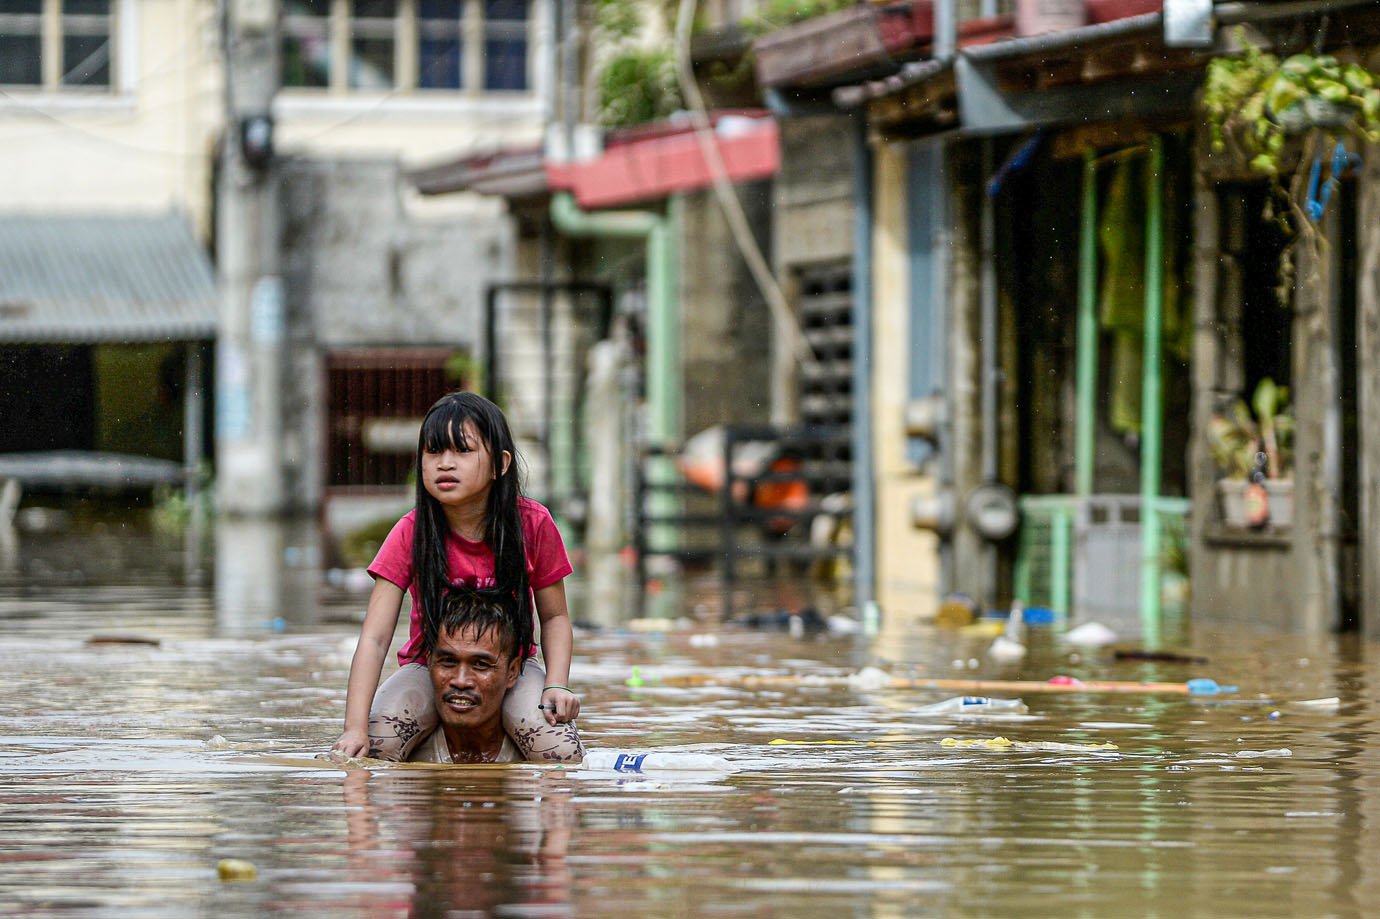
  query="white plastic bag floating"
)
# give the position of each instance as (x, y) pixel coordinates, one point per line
(1090, 634)
(974, 705)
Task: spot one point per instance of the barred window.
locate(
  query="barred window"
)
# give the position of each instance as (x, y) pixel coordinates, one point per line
(376, 399)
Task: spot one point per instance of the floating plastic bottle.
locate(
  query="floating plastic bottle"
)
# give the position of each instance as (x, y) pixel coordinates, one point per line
(655, 761)
(974, 705)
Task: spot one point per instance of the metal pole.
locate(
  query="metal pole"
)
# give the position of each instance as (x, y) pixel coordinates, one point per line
(193, 434)
(1086, 379)
(548, 384)
(988, 323)
(1151, 420)
(864, 486)
(1085, 412)
(491, 344)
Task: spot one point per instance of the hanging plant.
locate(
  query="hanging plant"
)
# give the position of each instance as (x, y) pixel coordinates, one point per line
(1268, 113)
(1254, 103)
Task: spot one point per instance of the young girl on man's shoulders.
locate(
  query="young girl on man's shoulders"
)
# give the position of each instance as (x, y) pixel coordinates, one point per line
(471, 525)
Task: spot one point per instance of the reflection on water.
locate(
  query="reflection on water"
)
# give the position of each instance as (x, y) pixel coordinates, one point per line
(128, 771)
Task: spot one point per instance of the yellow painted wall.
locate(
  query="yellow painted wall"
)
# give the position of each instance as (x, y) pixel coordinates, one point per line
(145, 147)
(148, 145)
(907, 558)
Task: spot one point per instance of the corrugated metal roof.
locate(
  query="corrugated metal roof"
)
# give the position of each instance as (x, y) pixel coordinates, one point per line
(82, 279)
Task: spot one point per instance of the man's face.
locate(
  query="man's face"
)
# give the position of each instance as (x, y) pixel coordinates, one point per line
(471, 674)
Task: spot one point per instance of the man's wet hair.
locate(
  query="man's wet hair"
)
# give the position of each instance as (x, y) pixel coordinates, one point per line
(482, 611)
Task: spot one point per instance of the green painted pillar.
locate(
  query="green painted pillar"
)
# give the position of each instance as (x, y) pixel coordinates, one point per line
(663, 328)
(1152, 420)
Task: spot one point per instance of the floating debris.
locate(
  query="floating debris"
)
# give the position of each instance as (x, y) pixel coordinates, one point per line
(1168, 657)
(1090, 634)
(1002, 743)
(124, 640)
(236, 869)
(991, 743)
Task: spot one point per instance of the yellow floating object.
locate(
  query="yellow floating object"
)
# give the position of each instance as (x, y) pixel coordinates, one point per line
(779, 742)
(984, 628)
(953, 614)
(1001, 743)
(993, 743)
(236, 869)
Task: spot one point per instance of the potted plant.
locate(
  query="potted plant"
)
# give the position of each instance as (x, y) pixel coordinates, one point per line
(1253, 448)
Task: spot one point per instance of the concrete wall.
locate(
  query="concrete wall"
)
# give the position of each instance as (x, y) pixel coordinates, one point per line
(1280, 579)
(364, 270)
(813, 204)
(812, 212)
(726, 327)
(370, 271)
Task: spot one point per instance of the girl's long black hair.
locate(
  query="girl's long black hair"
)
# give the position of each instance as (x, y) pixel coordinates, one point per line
(444, 426)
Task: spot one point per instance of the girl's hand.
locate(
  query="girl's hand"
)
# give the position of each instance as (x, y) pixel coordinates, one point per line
(353, 743)
(559, 705)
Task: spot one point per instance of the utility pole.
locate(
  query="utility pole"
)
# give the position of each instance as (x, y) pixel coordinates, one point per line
(250, 347)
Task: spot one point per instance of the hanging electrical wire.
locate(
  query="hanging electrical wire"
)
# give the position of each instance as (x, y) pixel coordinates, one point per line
(786, 325)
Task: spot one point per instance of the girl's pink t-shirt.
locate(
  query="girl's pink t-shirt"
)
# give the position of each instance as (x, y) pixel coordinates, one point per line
(471, 563)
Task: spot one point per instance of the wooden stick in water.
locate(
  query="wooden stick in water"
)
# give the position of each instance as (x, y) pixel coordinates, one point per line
(751, 681)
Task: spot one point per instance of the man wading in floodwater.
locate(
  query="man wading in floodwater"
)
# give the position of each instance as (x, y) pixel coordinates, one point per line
(474, 664)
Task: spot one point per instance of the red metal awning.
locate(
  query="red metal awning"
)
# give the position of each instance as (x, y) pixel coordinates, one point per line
(646, 165)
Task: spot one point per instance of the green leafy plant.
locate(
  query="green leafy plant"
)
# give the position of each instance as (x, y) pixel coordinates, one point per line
(638, 86)
(617, 19)
(464, 370)
(1244, 438)
(172, 512)
(1268, 113)
(635, 78)
(1254, 102)
(777, 14)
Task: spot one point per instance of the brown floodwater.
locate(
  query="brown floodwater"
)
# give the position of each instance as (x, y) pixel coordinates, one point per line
(129, 772)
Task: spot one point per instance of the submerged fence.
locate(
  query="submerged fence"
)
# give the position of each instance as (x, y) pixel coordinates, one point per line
(1084, 556)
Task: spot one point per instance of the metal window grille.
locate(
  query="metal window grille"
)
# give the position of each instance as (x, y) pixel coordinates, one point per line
(376, 400)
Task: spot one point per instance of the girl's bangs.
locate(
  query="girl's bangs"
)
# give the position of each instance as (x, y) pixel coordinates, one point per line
(445, 427)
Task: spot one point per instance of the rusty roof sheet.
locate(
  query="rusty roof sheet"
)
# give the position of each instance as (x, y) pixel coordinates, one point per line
(109, 278)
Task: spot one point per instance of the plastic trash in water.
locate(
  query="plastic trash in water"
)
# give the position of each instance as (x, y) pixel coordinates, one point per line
(1090, 634)
(1010, 644)
(1002, 743)
(655, 761)
(1202, 686)
(869, 678)
(974, 705)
